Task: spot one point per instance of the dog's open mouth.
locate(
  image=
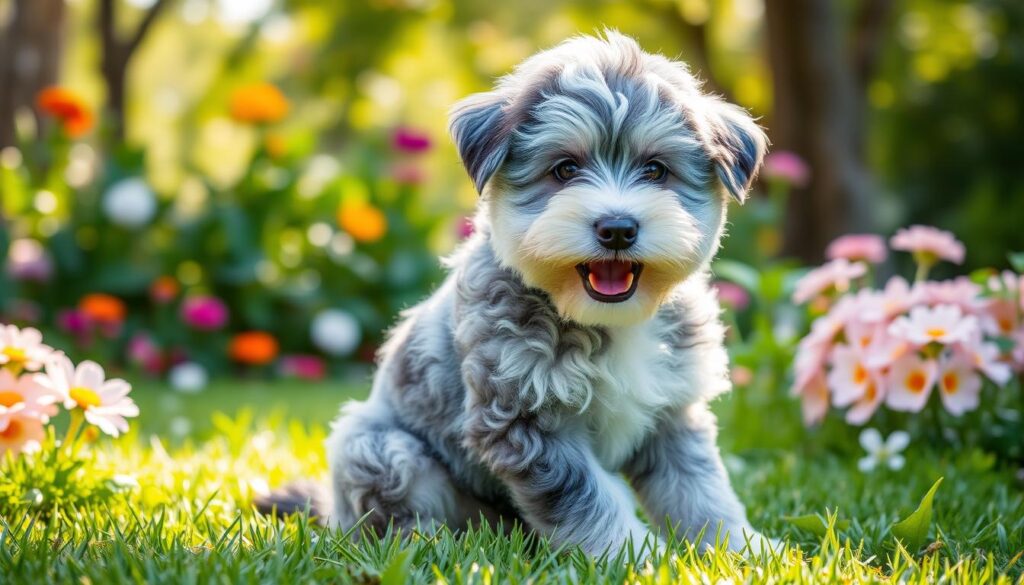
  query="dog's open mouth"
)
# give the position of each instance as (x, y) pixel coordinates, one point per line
(610, 281)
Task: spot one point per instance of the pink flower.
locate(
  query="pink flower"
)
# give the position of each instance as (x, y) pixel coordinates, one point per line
(21, 396)
(732, 295)
(814, 400)
(303, 367)
(958, 291)
(21, 434)
(959, 385)
(204, 313)
(410, 140)
(788, 167)
(28, 261)
(910, 381)
(22, 349)
(987, 359)
(853, 247)
(944, 324)
(928, 244)
(835, 275)
(408, 174)
(1000, 317)
(104, 402)
(849, 377)
(896, 299)
(865, 406)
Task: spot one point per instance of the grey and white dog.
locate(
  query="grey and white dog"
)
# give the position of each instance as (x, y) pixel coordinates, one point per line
(570, 354)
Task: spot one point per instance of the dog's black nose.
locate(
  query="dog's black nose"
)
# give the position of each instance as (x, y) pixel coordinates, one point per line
(616, 233)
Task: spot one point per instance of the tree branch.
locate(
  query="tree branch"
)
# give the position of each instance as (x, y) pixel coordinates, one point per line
(147, 22)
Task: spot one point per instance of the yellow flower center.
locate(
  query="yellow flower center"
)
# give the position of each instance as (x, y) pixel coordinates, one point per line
(950, 382)
(12, 432)
(860, 375)
(915, 382)
(15, 355)
(870, 393)
(84, 397)
(9, 398)
(936, 332)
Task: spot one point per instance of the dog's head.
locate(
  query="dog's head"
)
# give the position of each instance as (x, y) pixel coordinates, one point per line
(604, 173)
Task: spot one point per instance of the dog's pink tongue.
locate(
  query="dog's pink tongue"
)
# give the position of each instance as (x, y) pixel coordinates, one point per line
(610, 277)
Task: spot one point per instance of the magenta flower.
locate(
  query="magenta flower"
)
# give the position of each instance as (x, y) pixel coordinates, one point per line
(74, 322)
(928, 244)
(145, 353)
(788, 167)
(204, 313)
(853, 247)
(732, 295)
(465, 227)
(410, 140)
(303, 367)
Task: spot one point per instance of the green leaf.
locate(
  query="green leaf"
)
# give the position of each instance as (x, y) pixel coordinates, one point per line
(739, 273)
(815, 524)
(399, 570)
(913, 530)
(1016, 260)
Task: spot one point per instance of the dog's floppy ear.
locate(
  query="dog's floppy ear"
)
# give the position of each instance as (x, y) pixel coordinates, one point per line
(737, 146)
(479, 126)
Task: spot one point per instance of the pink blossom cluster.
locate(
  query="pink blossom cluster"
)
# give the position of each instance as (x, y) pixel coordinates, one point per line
(35, 379)
(899, 345)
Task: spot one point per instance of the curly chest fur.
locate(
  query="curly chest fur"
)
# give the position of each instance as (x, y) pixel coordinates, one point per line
(634, 382)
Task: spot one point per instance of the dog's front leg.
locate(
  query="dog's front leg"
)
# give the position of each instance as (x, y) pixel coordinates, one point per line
(555, 480)
(679, 476)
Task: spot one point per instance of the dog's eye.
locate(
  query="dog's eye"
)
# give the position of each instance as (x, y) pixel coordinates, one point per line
(653, 172)
(566, 171)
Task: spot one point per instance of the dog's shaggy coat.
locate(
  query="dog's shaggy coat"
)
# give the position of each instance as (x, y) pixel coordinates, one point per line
(513, 392)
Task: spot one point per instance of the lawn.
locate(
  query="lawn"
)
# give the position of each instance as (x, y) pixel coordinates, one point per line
(189, 519)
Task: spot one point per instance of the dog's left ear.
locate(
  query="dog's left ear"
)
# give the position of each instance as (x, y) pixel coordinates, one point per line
(737, 146)
(478, 125)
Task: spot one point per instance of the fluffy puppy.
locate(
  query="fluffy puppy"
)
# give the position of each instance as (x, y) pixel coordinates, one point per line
(562, 369)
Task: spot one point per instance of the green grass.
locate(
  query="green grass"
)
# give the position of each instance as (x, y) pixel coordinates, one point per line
(189, 520)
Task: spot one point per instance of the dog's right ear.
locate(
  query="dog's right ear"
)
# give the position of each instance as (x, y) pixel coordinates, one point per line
(479, 126)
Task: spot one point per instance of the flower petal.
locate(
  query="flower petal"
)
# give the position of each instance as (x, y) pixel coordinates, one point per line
(896, 462)
(871, 440)
(866, 464)
(897, 441)
(89, 375)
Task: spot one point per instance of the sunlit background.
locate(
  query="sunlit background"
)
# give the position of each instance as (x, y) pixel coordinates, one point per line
(257, 187)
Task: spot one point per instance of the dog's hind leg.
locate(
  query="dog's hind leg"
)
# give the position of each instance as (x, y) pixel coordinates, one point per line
(390, 476)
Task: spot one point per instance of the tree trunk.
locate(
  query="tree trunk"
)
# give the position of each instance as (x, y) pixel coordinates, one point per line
(30, 49)
(819, 113)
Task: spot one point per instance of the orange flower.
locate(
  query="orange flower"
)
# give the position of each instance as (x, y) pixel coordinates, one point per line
(362, 221)
(164, 289)
(258, 104)
(103, 308)
(255, 348)
(67, 107)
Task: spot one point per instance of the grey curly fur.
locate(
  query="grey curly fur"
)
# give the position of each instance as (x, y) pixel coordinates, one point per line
(507, 393)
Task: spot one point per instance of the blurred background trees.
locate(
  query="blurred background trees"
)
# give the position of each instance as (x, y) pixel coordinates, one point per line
(905, 111)
(341, 191)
